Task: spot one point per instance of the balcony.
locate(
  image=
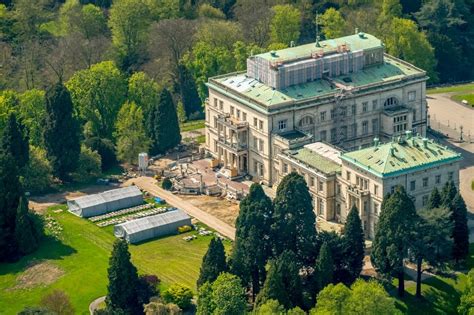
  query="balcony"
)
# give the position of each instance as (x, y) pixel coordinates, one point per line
(231, 122)
(357, 191)
(234, 146)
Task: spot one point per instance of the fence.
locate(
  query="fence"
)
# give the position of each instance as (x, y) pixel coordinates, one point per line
(451, 130)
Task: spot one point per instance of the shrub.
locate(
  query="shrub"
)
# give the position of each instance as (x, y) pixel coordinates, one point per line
(106, 150)
(166, 184)
(89, 166)
(184, 229)
(58, 303)
(38, 173)
(179, 295)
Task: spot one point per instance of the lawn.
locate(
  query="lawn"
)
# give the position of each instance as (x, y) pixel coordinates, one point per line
(192, 125)
(77, 264)
(469, 87)
(468, 97)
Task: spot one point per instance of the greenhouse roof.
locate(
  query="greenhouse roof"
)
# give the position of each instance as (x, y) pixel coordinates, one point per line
(150, 222)
(107, 196)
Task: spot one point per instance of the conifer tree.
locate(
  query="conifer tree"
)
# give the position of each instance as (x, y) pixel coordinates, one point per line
(283, 282)
(252, 247)
(123, 280)
(189, 93)
(61, 131)
(448, 194)
(460, 228)
(392, 241)
(163, 125)
(354, 244)
(435, 199)
(25, 229)
(213, 262)
(324, 266)
(15, 141)
(294, 221)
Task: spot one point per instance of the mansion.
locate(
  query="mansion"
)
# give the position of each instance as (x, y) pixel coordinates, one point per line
(341, 112)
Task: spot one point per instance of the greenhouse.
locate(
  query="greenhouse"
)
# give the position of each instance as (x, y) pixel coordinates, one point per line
(108, 201)
(153, 226)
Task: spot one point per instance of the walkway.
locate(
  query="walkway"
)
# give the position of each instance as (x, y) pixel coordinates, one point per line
(95, 304)
(149, 184)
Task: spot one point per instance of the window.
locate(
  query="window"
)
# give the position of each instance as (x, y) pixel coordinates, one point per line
(390, 102)
(260, 124)
(285, 168)
(221, 105)
(323, 135)
(365, 107)
(376, 189)
(343, 111)
(376, 208)
(365, 127)
(255, 122)
(215, 102)
(348, 175)
(450, 175)
(338, 209)
(305, 121)
(238, 113)
(392, 189)
(321, 206)
(255, 142)
(244, 116)
(438, 179)
(215, 122)
(424, 200)
(414, 115)
(282, 124)
(375, 104)
(232, 110)
(333, 113)
(375, 125)
(353, 109)
(411, 96)
(333, 134)
(260, 169)
(412, 185)
(311, 181)
(354, 129)
(320, 185)
(255, 167)
(425, 182)
(338, 188)
(323, 116)
(343, 132)
(260, 147)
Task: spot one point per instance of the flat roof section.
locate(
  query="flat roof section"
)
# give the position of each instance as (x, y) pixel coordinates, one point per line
(319, 156)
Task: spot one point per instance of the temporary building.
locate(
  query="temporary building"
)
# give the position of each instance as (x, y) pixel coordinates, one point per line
(153, 226)
(108, 201)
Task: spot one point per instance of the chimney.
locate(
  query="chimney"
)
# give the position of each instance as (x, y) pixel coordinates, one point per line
(376, 142)
(425, 143)
(408, 134)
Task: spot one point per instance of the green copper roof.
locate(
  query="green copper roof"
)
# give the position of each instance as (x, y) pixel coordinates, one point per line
(395, 158)
(244, 87)
(354, 42)
(314, 160)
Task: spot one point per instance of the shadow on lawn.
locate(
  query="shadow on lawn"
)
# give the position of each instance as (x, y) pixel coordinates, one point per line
(50, 249)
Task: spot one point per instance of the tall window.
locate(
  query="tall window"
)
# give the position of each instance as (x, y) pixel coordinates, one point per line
(365, 107)
(323, 135)
(333, 113)
(411, 96)
(375, 104)
(354, 129)
(333, 134)
(365, 127)
(323, 116)
(282, 124)
(391, 101)
(425, 182)
(353, 109)
(375, 125)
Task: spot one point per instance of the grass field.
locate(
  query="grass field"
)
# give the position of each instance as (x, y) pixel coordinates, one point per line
(77, 264)
(192, 125)
(469, 87)
(468, 97)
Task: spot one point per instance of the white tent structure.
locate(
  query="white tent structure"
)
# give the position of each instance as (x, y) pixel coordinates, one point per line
(108, 201)
(153, 226)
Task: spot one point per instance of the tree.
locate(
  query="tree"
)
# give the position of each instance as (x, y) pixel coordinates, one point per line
(283, 282)
(188, 93)
(207, 11)
(392, 241)
(97, 94)
(213, 262)
(205, 304)
(15, 142)
(467, 297)
(143, 91)
(362, 298)
(179, 295)
(123, 279)
(38, 173)
(354, 244)
(106, 150)
(333, 23)
(31, 112)
(88, 166)
(294, 221)
(324, 266)
(460, 228)
(156, 308)
(435, 199)
(61, 131)
(255, 17)
(163, 123)
(270, 307)
(252, 242)
(58, 302)
(285, 24)
(448, 194)
(129, 21)
(130, 133)
(25, 230)
(228, 295)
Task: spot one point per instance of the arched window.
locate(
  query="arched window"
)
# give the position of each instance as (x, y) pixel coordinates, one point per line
(306, 121)
(391, 101)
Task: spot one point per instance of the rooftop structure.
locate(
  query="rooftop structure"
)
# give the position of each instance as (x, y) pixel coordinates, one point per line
(108, 201)
(319, 156)
(153, 226)
(406, 154)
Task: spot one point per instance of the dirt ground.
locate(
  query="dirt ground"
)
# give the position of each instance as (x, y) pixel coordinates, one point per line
(38, 274)
(222, 209)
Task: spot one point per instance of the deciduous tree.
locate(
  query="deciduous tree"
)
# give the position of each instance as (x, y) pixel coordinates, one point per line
(333, 23)
(228, 295)
(285, 24)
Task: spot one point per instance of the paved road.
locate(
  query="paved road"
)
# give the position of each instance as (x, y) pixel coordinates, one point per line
(448, 112)
(149, 184)
(95, 304)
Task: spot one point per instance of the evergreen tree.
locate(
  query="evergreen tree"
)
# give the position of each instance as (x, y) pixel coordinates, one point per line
(294, 221)
(448, 194)
(188, 92)
(392, 241)
(163, 124)
(252, 247)
(123, 280)
(15, 141)
(354, 244)
(324, 266)
(10, 192)
(61, 131)
(25, 229)
(283, 282)
(460, 228)
(435, 199)
(213, 262)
